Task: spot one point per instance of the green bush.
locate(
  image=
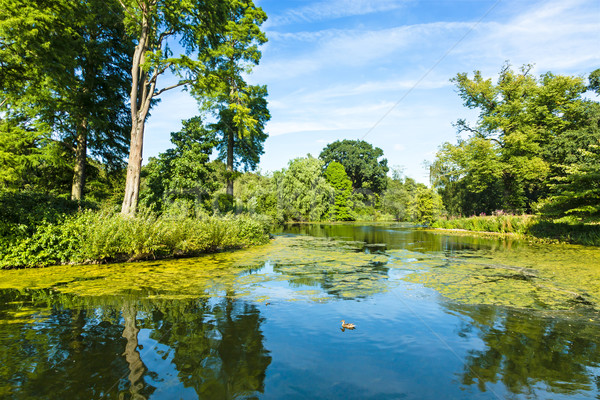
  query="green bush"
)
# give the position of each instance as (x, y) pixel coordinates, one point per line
(95, 236)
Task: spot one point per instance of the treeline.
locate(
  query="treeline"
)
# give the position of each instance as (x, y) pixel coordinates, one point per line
(535, 147)
(349, 181)
(78, 80)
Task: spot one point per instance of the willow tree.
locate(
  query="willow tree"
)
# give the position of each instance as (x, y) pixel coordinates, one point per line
(162, 27)
(241, 108)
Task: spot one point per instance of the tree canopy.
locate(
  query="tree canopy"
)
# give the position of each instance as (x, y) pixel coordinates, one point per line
(361, 162)
(517, 144)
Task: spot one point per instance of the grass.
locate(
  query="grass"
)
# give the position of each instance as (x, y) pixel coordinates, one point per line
(97, 236)
(528, 226)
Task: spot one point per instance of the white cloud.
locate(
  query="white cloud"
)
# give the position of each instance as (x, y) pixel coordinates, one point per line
(332, 9)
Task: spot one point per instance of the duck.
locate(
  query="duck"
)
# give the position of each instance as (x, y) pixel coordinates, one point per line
(348, 325)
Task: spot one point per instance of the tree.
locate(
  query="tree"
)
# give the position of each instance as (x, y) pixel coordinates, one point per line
(338, 179)
(396, 198)
(304, 194)
(241, 143)
(506, 159)
(360, 160)
(181, 174)
(63, 78)
(241, 108)
(157, 24)
(428, 205)
(575, 190)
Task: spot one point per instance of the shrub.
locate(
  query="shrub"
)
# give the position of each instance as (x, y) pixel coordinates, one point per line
(100, 236)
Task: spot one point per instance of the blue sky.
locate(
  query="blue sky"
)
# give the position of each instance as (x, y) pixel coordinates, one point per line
(380, 70)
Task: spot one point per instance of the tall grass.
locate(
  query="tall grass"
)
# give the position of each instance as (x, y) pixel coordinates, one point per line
(93, 236)
(526, 225)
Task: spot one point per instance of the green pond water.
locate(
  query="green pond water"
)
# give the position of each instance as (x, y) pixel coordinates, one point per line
(437, 317)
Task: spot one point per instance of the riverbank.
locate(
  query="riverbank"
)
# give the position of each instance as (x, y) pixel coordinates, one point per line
(523, 226)
(100, 237)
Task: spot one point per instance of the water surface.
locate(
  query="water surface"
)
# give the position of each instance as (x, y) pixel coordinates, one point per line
(437, 316)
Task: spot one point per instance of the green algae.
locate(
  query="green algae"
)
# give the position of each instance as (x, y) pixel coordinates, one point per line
(532, 276)
(515, 274)
(329, 268)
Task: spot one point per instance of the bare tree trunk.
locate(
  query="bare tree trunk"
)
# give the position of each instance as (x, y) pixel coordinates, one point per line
(80, 159)
(230, 162)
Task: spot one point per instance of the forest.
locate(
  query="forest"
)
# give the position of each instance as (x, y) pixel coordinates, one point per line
(79, 79)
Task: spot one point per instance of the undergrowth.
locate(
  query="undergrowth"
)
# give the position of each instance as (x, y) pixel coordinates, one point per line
(527, 225)
(101, 236)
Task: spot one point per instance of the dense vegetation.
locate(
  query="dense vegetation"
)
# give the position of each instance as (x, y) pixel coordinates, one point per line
(79, 78)
(534, 148)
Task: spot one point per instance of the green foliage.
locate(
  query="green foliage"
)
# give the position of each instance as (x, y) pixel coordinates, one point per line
(526, 132)
(575, 189)
(107, 236)
(182, 174)
(428, 205)
(500, 223)
(337, 178)
(63, 76)
(258, 195)
(526, 225)
(360, 160)
(304, 194)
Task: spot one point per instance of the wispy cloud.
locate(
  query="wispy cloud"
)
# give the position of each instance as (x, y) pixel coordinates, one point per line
(333, 9)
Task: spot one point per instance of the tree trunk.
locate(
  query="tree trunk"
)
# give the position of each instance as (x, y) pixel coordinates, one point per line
(230, 162)
(141, 95)
(80, 159)
(134, 169)
(137, 369)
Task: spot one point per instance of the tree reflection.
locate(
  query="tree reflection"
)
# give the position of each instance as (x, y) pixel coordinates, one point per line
(52, 352)
(132, 355)
(218, 347)
(523, 349)
(92, 348)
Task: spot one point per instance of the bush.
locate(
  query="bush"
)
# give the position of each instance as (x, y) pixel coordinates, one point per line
(94, 236)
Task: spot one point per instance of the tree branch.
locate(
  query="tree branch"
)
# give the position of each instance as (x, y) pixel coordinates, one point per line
(127, 10)
(172, 87)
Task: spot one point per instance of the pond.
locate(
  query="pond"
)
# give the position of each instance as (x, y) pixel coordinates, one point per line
(438, 316)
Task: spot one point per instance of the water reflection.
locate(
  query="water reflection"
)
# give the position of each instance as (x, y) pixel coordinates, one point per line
(214, 348)
(530, 353)
(200, 328)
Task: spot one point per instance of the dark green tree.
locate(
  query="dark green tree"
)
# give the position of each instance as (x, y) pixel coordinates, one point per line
(64, 77)
(360, 160)
(181, 174)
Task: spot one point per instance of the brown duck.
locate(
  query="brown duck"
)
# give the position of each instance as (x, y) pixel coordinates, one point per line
(348, 325)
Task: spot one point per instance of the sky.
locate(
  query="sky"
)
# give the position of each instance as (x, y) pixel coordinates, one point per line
(380, 70)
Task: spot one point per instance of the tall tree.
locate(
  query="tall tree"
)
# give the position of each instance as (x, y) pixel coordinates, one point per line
(162, 27)
(506, 158)
(360, 160)
(241, 108)
(62, 77)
